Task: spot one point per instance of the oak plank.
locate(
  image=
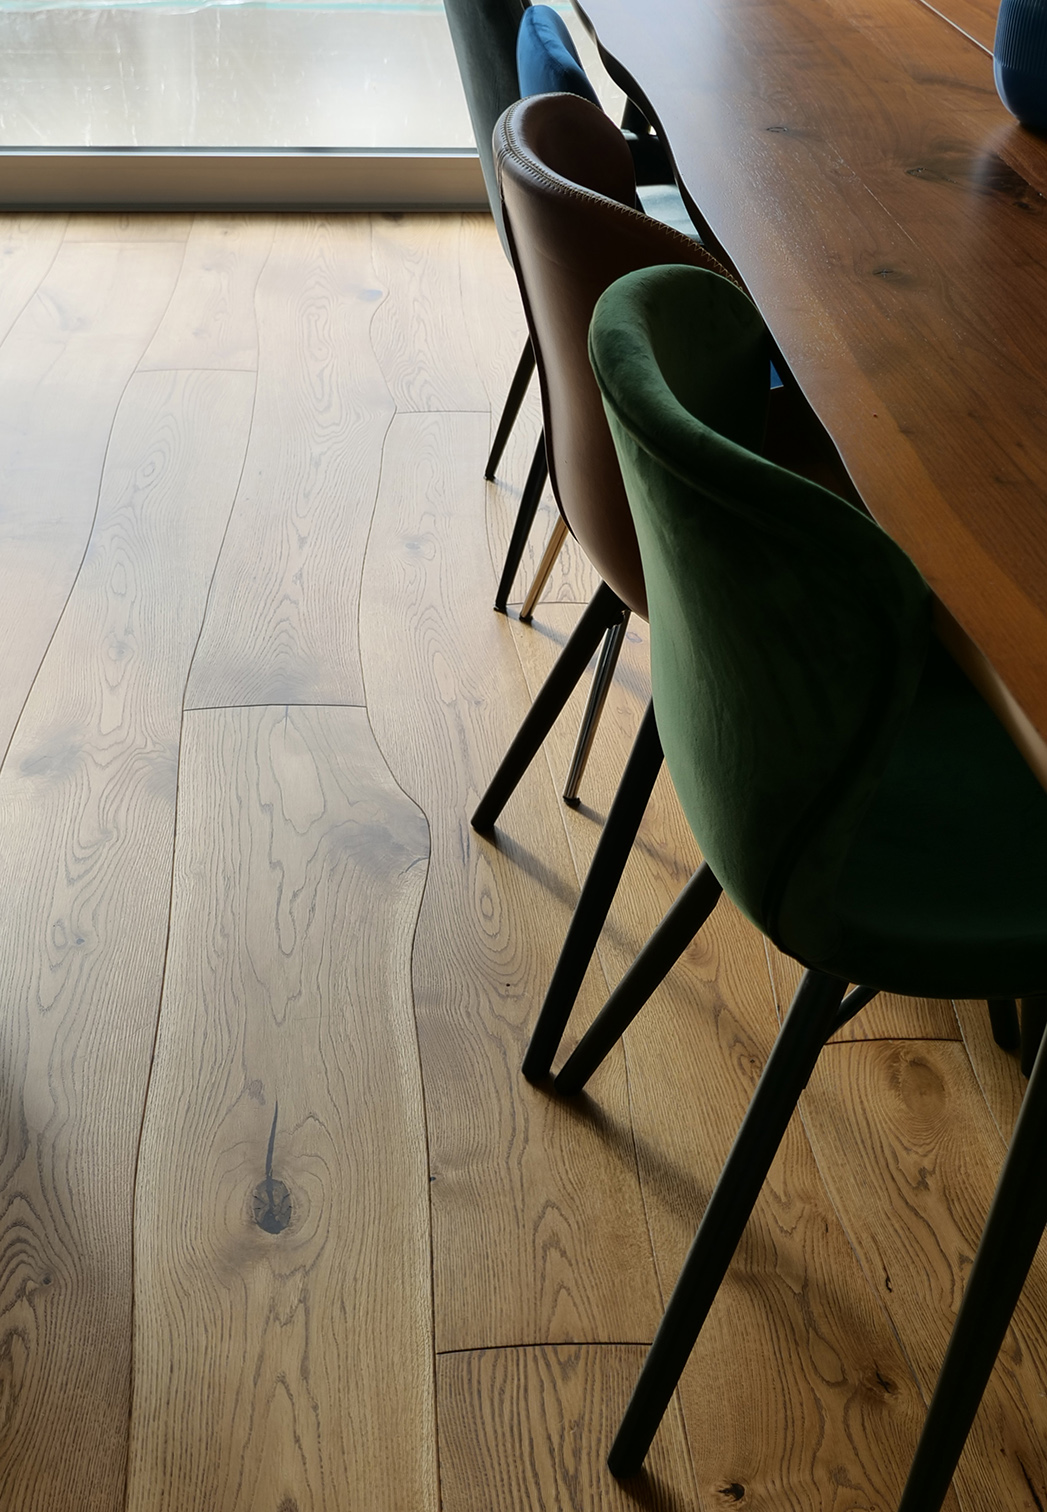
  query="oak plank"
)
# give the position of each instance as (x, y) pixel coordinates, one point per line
(573, 580)
(419, 332)
(998, 1071)
(283, 1186)
(491, 307)
(129, 226)
(210, 321)
(28, 246)
(63, 367)
(539, 1234)
(911, 1154)
(797, 1394)
(528, 1428)
(281, 626)
(86, 834)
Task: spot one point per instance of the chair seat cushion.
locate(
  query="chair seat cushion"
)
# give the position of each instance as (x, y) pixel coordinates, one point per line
(944, 892)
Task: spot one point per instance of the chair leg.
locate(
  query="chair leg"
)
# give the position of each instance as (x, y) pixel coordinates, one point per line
(853, 1004)
(1034, 1020)
(604, 874)
(613, 642)
(545, 567)
(1008, 1245)
(604, 609)
(788, 1068)
(1003, 1017)
(529, 500)
(511, 408)
(665, 947)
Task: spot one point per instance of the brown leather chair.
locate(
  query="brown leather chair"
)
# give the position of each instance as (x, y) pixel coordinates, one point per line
(568, 192)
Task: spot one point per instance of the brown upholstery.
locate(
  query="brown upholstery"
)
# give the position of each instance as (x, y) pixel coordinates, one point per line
(567, 184)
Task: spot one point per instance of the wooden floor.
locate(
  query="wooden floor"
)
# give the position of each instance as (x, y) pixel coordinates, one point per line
(282, 1229)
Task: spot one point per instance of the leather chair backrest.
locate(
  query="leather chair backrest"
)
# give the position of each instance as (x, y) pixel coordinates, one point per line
(484, 37)
(568, 188)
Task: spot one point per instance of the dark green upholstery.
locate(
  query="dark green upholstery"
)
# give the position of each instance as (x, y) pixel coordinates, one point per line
(484, 37)
(847, 785)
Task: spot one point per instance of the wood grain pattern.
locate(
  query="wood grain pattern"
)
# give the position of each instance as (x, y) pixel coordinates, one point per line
(491, 308)
(86, 832)
(530, 1428)
(283, 1324)
(419, 333)
(210, 322)
(28, 246)
(997, 1071)
(833, 1421)
(911, 1154)
(975, 18)
(281, 627)
(63, 367)
(128, 226)
(539, 1233)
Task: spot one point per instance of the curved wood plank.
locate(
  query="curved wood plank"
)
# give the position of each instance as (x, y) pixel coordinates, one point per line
(283, 1327)
(281, 626)
(797, 1387)
(911, 1154)
(539, 1233)
(419, 332)
(63, 368)
(998, 1071)
(528, 1428)
(28, 247)
(211, 322)
(86, 834)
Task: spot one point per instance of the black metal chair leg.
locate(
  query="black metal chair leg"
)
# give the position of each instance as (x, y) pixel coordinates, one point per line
(665, 947)
(605, 608)
(1034, 1020)
(789, 1066)
(601, 686)
(529, 500)
(853, 1004)
(511, 408)
(604, 874)
(1012, 1232)
(1003, 1017)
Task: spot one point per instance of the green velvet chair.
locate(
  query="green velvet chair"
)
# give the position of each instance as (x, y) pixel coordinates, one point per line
(848, 787)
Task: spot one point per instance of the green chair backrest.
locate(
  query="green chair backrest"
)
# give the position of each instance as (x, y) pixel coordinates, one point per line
(788, 632)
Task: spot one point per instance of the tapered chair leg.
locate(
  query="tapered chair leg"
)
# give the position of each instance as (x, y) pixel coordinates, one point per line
(789, 1066)
(1034, 1020)
(606, 607)
(552, 550)
(665, 947)
(613, 642)
(529, 500)
(1003, 1018)
(1012, 1233)
(601, 882)
(511, 408)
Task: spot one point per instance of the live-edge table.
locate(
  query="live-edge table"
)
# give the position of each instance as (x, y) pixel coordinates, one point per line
(888, 216)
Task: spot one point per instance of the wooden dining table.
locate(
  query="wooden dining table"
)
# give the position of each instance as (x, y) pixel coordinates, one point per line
(889, 218)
